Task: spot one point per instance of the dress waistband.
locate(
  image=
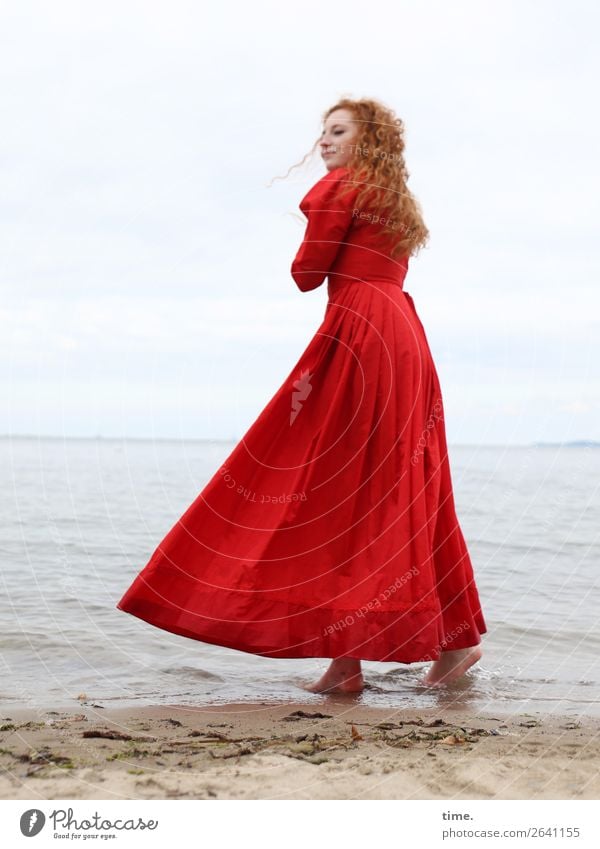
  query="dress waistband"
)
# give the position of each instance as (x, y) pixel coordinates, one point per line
(339, 281)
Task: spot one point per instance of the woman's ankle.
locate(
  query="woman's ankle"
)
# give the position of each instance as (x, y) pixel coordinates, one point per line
(347, 664)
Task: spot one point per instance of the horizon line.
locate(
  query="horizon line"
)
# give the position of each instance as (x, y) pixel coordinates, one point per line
(234, 439)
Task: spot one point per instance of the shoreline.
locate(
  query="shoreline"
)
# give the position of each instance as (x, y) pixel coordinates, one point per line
(335, 749)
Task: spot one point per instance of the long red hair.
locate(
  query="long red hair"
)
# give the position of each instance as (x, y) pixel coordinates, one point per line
(377, 165)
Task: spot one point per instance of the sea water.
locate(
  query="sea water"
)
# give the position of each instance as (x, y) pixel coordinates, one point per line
(81, 518)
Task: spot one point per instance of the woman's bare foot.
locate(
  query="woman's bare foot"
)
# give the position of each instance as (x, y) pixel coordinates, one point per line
(451, 665)
(343, 676)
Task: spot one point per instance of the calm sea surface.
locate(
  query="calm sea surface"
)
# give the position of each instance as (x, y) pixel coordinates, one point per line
(82, 517)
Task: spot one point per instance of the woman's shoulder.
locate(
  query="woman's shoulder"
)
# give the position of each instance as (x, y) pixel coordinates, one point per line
(333, 178)
(336, 173)
(327, 186)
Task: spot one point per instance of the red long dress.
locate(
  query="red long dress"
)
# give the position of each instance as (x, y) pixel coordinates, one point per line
(330, 530)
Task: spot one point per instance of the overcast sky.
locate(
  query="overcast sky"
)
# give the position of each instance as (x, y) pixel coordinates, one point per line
(145, 278)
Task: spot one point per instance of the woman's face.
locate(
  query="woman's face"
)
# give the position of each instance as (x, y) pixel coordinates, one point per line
(339, 133)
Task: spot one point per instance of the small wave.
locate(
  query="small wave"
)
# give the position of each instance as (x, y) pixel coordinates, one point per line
(193, 672)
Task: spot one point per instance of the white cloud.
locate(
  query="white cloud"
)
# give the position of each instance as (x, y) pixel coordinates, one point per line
(137, 231)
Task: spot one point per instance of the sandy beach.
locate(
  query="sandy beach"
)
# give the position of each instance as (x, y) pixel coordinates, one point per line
(337, 750)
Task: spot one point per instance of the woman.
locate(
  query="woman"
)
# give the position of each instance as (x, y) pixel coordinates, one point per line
(330, 530)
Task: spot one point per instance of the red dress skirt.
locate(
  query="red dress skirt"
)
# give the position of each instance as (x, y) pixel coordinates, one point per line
(330, 530)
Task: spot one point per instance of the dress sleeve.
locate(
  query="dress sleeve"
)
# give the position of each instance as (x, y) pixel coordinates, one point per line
(329, 219)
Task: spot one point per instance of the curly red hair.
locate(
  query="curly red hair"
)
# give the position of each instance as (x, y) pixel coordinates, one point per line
(377, 164)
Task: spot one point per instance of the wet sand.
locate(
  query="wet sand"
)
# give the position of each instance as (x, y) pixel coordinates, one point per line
(337, 750)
